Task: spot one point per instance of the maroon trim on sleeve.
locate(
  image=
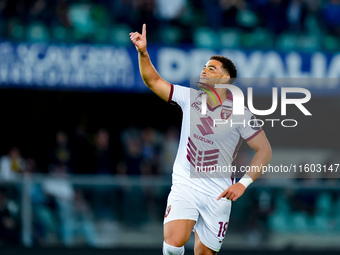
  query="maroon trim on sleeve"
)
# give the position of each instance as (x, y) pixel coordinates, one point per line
(237, 147)
(255, 134)
(171, 93)
(229, 95)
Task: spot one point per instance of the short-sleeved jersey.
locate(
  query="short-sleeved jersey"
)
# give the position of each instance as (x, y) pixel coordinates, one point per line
(208, 143)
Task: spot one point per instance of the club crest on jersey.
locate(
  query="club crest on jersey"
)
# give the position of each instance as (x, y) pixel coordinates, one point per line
(167, 211)
(225, 113)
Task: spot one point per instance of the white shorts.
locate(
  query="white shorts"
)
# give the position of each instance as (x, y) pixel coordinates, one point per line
(211, 216)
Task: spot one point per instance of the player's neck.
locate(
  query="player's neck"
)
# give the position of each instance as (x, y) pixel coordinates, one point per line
(214, 102)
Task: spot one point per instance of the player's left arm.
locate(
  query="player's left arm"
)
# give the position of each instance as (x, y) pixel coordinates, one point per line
(263, 154)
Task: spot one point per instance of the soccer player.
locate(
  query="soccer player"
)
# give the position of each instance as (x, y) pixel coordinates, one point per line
(203, 204)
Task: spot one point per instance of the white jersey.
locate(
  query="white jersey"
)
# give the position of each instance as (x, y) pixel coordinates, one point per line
(206, 152)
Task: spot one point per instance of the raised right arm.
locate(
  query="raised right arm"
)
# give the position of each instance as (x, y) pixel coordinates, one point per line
(148, 72)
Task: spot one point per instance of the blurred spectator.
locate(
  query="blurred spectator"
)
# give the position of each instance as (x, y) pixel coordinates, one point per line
(280, 220)
(169, 22)
(230, 9)
(102, 164)
(132, 163)
(62, 9)
(9, 226)
(43, 222)
(81, 19)
(169, 151)
(102, 154)
(148, 147)
(151, 146)
(144, 12)
(3, 7)
(141, 152)
(304, 200)
(81, 150)
(73, 212)
(60, 190)
(122, 11)
(213, 12)
(11, 165)
(331, 16)
(170, 11)
(275, 18)
(262, 206)
(296, 15)
(30, 166)
(17, 10)
(83, 218)
(39, 12)
(61, 154)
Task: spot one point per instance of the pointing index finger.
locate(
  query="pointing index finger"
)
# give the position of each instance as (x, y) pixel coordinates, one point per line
(221, 195)
(144, 30)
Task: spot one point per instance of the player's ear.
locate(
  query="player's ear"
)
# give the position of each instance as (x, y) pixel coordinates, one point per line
(225, 78)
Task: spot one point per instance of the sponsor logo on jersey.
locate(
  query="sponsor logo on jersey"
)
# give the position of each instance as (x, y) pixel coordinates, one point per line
(195, 105)
(203, 139)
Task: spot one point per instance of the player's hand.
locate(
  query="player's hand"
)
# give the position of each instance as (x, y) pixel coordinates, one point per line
(233, 192)
(139, 40)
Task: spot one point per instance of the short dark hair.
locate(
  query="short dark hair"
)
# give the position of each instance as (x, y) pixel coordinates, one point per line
(227, 65)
